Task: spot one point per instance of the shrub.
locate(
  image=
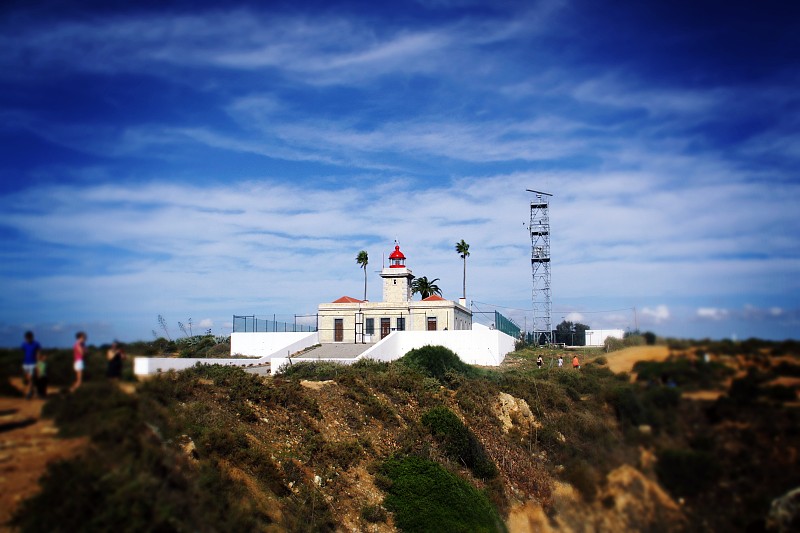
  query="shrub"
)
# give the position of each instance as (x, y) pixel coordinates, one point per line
(684, 372)
(785, 368)
(458, 442)
(687, 472)
(634, 340)
(779, 393)
(612, 344)
(98, 410)
(342, 454)
(787, 347)
(580, 474)
(308, 511)
(423, 495)
(143, 486)
(374, 513)
(745, 390)
(435, 361)
(317, 371)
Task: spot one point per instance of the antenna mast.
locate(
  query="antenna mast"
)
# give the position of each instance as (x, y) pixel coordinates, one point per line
(540, 265)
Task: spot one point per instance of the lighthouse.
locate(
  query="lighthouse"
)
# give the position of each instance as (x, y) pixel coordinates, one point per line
(397, 278)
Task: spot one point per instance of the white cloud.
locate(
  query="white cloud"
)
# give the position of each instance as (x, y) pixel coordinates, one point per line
(655, 315)
(712, 313)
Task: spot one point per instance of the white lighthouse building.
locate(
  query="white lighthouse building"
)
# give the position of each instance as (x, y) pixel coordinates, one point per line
(389, 329)
(350, 320)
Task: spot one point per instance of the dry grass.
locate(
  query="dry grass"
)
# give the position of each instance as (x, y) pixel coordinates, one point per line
(623, 360)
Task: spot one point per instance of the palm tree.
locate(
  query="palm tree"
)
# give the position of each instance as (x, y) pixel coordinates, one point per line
(424, 287)
(463, 250)
(362, 259)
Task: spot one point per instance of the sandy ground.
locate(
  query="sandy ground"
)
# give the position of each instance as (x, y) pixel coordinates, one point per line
(623, 360)
(703, 395)
(27, 444)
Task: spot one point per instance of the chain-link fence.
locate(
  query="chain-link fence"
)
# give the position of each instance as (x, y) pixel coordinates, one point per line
(254, 324)
(505, 325)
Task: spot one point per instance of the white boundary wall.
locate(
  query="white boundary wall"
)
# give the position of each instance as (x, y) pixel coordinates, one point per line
(479, 346)
(143, 366)
(255, 344)
(597, 337)
(262, 346)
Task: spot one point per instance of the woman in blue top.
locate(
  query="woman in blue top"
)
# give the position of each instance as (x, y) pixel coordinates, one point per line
(30, 350)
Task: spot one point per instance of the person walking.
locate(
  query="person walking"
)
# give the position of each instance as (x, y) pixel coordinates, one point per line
(576, 364)
(30, 351)
(560, 361)
(78, 354)
(539, 362)
(41, 376)
(115, 356)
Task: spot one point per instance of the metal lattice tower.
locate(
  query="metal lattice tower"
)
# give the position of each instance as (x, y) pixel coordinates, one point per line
(540, 265)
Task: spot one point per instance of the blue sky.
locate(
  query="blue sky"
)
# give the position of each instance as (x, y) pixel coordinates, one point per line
(200, 159)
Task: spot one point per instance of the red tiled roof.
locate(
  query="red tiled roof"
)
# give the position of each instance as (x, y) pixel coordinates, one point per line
(348, 300)
(433, 298)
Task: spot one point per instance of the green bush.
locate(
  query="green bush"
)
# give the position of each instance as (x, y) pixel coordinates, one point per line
(634, 340)
(315, 371)
(687, 472)
(581, 475)
(243, 387)
(458, 442)
(627, 405)
(424, 496)
(779, 393)
(96, 409)
(785, 368)
(684, 372)
(135, 485)
(374, 513)
(435, 361)
(745, 390)
(656, 406)
(341, 454)
(612, 344)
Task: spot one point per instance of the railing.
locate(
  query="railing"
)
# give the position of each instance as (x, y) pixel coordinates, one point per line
(505, 325)
(255, 324)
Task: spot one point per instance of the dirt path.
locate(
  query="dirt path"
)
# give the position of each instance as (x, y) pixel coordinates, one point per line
(623, 360)
(27, 444)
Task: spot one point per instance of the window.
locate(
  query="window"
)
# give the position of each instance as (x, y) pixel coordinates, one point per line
(370, 326)
(431, 323)
(401, 324)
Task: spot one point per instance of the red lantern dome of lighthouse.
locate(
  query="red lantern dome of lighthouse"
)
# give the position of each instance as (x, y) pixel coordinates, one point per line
(397, 259)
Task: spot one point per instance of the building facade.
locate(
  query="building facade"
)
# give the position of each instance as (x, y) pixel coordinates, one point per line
(351, 320)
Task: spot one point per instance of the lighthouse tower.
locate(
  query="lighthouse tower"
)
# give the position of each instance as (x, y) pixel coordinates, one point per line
(397, 278)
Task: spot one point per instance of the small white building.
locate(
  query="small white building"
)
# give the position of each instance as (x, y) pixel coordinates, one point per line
(597, 337)
(350, 320)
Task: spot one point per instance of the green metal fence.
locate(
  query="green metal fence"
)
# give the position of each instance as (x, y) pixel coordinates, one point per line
(505, 325)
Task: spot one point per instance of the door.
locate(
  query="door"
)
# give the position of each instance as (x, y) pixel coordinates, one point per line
(338, 330)
(385, 327)
(431, 323)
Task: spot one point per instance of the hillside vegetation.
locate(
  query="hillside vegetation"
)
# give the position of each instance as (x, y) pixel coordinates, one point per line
(428, 443)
